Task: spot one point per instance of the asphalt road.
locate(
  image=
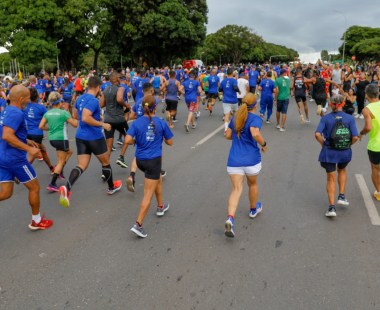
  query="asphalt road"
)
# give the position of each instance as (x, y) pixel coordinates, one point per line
(289, 257)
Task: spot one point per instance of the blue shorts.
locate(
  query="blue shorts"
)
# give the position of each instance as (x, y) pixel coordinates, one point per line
(282, 106)
(23, 172)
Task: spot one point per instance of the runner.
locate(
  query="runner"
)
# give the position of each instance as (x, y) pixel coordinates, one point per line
(147, 133)
(114, 115)
(89, 140)
(33, 114)
(67, 90)
(371, 115)
(282, 99)
(171, 88)
(299, 89)
(361, 82)
(244, 159)
(229, 89)
(336, 153)
(213, 87)
(253, 75)
(267, 88)
(55, 121)
(13, 149)
(192, 87)
(243, 86)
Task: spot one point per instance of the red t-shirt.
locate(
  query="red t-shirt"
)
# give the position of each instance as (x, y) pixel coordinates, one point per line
(78, 84)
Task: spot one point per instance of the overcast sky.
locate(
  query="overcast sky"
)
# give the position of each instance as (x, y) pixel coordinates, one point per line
(304, 25)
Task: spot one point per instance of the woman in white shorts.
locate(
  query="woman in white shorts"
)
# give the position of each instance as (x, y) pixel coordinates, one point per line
(244, 159)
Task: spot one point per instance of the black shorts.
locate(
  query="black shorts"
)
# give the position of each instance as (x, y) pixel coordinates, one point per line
(88, 147)
(212, 96)
(35, 138)
(300, 98)
(60, 145)
(252, 89)
(320, 100)
(331, 167)
(171, 105)
(374, 157)
(79, 93)
(120, 127)
(150, 167)
(157, 91)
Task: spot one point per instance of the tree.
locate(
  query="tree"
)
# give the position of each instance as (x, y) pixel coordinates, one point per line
(324, 55)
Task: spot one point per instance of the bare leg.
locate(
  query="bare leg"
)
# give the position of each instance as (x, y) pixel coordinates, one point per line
(331, 187)
(149, 190)
(34, 195)
(6, 190)
(237, 189)
(253, 190)
(376, 176)
(342, 180)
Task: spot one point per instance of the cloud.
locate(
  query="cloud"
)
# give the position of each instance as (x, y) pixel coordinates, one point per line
(305, 26)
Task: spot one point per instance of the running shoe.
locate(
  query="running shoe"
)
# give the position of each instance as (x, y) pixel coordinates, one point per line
(268, 121)
(254, 212)
(61, 176)
(116, 187)
(194, 126)
(282, 129)
(311, 100)
(319, 109)
(174, 120)
(302, 119)
(52, 188)
(103, 177)
(139, 231)
(64, 198)
(361, 116)
(163, 173)
(42, 225)
(229, 228)
(113, 148)
(342, 201)
(278, 126)
(161, 210)
(198, 113)
(130, 184)
(120, 161)
(187, 128)
(307, 120)
(376, 194)
(331, 212)
(120, 141)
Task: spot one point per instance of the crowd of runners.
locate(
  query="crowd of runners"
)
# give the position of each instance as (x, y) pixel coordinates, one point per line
(125, 102)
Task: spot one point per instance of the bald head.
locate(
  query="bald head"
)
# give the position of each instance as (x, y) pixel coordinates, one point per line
(19, 96)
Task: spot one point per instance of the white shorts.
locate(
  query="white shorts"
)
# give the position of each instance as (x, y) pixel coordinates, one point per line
(228, 107)
(250, 170)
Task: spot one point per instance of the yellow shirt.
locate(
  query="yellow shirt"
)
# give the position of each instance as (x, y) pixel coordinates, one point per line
(374, 134)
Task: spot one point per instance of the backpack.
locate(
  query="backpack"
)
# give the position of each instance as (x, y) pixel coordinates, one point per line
(340, 138)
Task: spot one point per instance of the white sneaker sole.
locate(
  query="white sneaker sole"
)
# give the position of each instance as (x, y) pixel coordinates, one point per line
(138, 233)
(228, 230)
(162, 213)
(330, 214)
(257, 212)
(342, 203)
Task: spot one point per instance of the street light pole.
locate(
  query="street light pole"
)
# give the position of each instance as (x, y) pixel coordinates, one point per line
(56, 45)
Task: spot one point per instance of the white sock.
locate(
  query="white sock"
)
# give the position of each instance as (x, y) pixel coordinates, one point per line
(225, 126)
(36, 218)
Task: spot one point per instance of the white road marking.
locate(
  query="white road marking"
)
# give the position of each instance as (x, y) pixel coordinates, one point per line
(208, 137)
(371, 208)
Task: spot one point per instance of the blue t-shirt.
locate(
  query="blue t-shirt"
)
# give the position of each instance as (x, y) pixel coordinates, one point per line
(126, 91)
(244, 151)
(13, 118)
(267, 87)
(33, 114)
(60, 81)
(138, 85)
(148, 139)
(67, 92)
(178, 75)
(42, 85)
(85, 131)
(213, 81)
(156, 82)
(191, 90)
(105, 85)
(253, 76)
(3, 105)
(138, 108)
(229, 86)
(325, 127)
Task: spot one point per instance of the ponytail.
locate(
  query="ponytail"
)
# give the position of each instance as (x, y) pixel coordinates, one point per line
(249, 103)
(149, 105)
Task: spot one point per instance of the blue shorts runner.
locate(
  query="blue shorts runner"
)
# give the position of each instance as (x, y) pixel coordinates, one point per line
(282, 106)
(24, 172)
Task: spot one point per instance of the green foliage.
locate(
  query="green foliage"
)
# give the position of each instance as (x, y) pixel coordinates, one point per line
(235, 44)
(324, 55)
(362, 42)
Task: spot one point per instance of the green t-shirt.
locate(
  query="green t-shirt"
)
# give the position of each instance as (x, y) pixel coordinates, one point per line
(56, 119)
(283, 85)
(205, 80)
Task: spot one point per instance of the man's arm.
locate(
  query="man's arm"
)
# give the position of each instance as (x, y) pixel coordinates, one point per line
(9, 136)
(368, 116)
(120, 96)
(89, 120)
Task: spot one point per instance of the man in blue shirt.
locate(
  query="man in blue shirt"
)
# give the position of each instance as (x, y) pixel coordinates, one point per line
(192, 88)
(13, 149)
(105, 83)
(139, 84)
(253, 76)
(331, 158)
(267, 88)
(90, 140)
(213, 88)
(229, 88)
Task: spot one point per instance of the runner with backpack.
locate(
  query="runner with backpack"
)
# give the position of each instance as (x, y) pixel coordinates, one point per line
(336, 133)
